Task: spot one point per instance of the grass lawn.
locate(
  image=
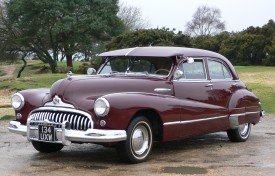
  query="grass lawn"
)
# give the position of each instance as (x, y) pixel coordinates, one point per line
(259, 79)
(34, 76)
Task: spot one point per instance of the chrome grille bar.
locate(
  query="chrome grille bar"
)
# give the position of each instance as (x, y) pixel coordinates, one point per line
(78, 120)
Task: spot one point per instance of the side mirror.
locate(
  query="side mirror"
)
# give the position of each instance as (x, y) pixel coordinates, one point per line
(178, 74)
(91, 71)
(190, 60)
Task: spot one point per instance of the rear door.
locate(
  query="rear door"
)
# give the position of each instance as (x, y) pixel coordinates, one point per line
(200, 111)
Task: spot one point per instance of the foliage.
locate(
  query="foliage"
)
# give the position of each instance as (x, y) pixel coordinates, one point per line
(82, 69)
(253, 46)
(206, 21)
(50, 27)
(96, 62)
(10, 50)
(212, 43)
(149, 37)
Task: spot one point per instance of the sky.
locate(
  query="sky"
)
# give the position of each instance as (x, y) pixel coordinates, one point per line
(238, 14)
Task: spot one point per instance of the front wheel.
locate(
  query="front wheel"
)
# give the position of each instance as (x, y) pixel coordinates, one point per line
(44, 147)
(240, 134)
(139, 142)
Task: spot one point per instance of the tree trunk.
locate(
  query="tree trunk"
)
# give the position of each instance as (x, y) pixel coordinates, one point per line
(23, 67)
(69, 59)
(53, 66)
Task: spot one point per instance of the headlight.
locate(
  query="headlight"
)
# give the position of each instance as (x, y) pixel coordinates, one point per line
(17, 101)
(101, 107)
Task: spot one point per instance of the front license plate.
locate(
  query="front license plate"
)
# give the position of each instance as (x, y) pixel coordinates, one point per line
(46, 132)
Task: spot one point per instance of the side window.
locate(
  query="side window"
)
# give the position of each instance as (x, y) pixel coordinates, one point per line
(218, 71)
(193, 70)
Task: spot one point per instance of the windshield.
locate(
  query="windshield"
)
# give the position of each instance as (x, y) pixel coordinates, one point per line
(137, 66)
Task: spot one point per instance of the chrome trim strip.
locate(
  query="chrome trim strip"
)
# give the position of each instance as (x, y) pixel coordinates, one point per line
(246, 113)
(234, 119)
(162, 90)
(130, 51)
(193, 121)
(193, 80)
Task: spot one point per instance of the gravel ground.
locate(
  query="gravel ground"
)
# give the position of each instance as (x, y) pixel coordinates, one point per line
(211, 154)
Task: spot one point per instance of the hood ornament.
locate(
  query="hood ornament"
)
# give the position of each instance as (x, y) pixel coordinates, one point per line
(56, 100)
(69, 74)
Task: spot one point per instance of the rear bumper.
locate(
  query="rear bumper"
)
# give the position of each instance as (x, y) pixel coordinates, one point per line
(262, 113)
(66, 136)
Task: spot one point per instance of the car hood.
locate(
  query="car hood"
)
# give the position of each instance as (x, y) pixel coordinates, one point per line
(82, 91)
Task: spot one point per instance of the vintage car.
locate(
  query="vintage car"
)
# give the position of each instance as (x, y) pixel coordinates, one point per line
(137, 97)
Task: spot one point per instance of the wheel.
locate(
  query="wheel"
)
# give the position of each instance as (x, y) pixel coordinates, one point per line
(241, 134)
(44, 147)
(139, 142)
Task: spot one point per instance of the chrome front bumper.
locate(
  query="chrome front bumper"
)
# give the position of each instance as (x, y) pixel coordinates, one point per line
(66, 136)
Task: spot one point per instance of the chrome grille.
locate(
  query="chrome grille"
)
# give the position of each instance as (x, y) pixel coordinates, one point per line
(78, 121)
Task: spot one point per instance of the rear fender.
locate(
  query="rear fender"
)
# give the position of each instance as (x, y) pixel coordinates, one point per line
(244, 107)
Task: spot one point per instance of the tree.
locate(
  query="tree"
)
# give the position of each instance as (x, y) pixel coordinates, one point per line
(212, 43)
(9, 49)
(244, 49)
(206, 22)
(253, 46)
(50, 27)
(132, 17)
(149, 37)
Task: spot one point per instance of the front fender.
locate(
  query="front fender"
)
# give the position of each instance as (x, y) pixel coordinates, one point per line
(34, 98)
(124, 106)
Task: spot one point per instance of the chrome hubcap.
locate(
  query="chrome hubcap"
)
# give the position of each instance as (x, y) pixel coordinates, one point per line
(140, 140)
(243, 129)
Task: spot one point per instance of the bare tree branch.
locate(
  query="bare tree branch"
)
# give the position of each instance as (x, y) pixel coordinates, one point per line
(206, 21)
(132, 17)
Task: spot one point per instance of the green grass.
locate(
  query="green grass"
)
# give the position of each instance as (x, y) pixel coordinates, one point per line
(1, 73)
(6, 113)
(261, 81)
(34, 76)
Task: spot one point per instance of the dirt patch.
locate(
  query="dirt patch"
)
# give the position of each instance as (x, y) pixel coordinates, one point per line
(5, 97)
(8, 71)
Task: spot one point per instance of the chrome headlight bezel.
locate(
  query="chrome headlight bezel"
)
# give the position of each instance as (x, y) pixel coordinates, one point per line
(17, 101)
(101, 107)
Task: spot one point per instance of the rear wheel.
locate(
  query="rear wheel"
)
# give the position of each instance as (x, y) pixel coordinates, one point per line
(240, 134)
(44, 147)
(139, 142)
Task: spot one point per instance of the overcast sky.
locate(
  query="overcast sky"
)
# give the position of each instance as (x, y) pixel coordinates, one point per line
(238, 14)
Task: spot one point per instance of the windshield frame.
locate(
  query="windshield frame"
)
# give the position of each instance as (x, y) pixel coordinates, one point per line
(131, 60)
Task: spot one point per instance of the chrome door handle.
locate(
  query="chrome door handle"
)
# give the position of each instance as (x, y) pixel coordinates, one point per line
(209, 85)
(162, 90)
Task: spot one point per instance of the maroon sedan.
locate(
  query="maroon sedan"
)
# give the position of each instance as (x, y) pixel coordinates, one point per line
(138, 96)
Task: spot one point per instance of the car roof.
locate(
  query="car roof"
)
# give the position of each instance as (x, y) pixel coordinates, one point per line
(161, 51)
(166, 52)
